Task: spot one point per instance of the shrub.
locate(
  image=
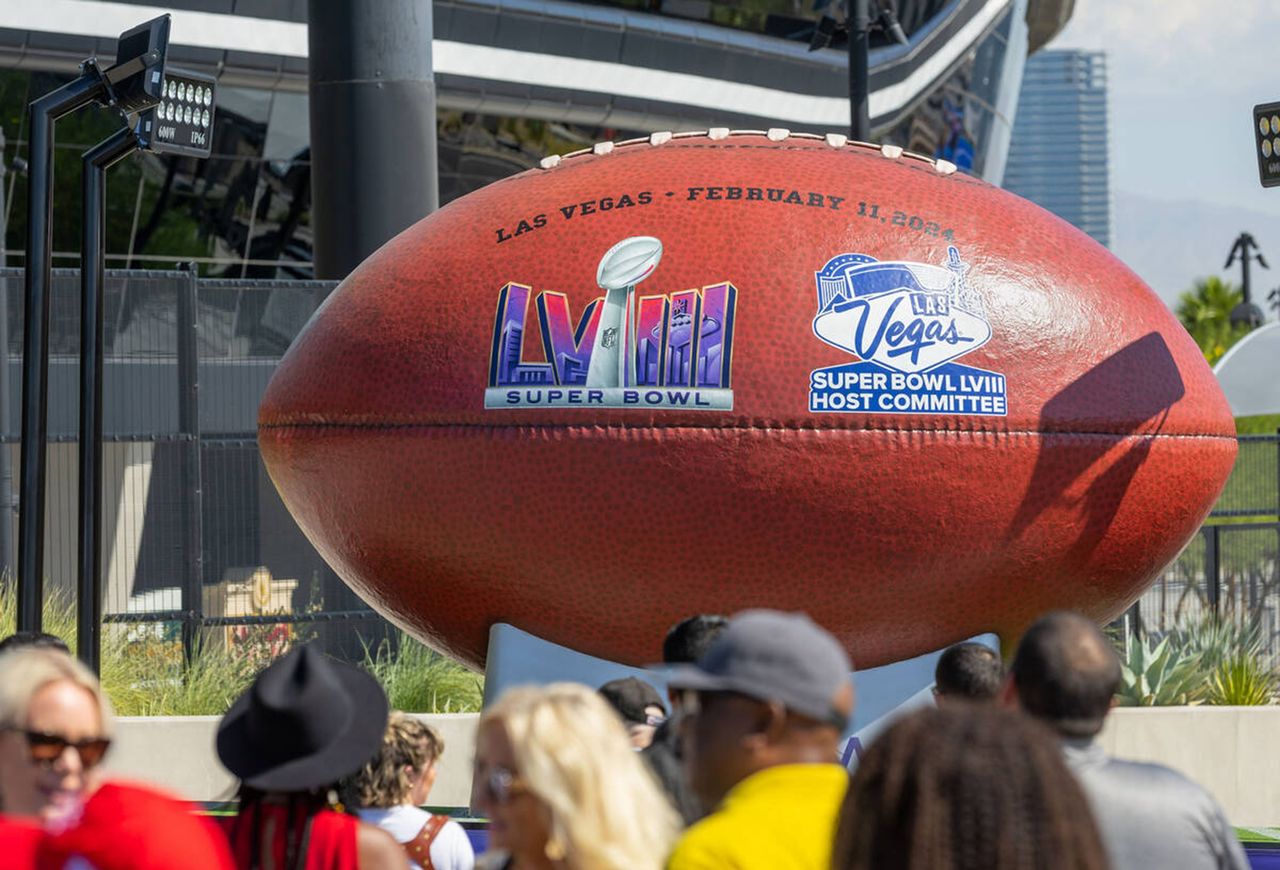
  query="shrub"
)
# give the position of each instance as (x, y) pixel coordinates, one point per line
(1218, 639)
(1242, 681)
(420, 680)
(144, 674)
(1159, 676)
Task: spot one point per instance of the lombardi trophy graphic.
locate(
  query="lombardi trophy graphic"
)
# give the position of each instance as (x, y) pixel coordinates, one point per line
(622, 267)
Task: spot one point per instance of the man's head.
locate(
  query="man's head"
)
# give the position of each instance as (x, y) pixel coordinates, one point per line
(968, 672)
(639, 705)
(773, 689)
(38, 639)
(1065, 673)
(689, 639)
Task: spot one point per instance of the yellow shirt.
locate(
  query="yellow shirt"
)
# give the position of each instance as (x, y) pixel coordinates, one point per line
(780, 818)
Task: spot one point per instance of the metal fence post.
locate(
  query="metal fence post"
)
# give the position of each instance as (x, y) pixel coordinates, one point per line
(7, 507)
(1212, 567)
(192, 488)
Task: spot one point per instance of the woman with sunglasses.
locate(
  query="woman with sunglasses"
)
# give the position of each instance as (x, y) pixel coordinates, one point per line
(55, 727)
(562, 788)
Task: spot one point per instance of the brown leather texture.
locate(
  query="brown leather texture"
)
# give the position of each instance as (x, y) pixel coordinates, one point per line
(599, 527)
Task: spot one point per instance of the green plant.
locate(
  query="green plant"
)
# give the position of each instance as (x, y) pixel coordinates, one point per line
(420, 680)
(1218, 639)
(144, 674)
(149, 678)
(59, 612)
(1159, 676)
(1205, 311)
(1242, 681)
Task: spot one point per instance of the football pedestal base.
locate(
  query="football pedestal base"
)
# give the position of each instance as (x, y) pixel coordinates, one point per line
(517, 658)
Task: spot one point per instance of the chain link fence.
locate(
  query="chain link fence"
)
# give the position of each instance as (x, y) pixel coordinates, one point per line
(193, 531)
(1253, 490)
(1229, 571)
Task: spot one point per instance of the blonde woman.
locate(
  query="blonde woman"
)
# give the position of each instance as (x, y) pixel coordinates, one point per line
(55, 727)
(392, 787)
(562, 788)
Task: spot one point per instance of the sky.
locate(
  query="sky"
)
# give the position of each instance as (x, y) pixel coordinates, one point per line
(1183, 78)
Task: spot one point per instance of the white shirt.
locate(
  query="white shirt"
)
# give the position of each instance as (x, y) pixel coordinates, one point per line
(450, 850)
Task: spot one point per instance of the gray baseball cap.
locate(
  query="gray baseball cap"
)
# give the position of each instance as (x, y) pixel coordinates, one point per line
(773, 656)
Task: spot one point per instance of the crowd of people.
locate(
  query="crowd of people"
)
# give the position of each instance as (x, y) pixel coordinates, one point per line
(737, 767)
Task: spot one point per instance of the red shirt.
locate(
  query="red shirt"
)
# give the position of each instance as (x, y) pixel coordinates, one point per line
(19, 842)
(324, 841)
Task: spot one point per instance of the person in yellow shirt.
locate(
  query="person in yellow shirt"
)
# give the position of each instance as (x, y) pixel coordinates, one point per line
(765, 709)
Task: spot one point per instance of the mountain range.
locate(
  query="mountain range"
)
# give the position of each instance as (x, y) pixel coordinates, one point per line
(1172, 243)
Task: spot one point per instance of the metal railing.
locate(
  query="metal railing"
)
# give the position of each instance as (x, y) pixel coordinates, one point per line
(1253, 490)
(1227, 571)
(193, 531)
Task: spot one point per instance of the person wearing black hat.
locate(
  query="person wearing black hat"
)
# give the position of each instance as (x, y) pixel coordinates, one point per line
(765, 709)
(639, 705)
(305, 723)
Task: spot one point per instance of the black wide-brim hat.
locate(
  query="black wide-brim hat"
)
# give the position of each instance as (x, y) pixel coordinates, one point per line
(306, 722)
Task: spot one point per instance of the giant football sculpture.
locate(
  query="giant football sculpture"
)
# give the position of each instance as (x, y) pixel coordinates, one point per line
(704, 372)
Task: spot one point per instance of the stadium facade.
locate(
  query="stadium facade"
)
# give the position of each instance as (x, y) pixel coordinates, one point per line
(515, 80)
(518, 79)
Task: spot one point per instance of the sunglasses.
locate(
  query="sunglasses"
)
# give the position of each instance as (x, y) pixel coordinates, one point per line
(501, 785)
(46, 749)
(692, 701)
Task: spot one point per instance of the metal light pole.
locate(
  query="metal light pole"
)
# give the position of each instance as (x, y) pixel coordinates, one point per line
(131, 84)
(159, 130)
(1246, 313)
(89, 556)
(35, 339)
(859, 70)
(858, 24)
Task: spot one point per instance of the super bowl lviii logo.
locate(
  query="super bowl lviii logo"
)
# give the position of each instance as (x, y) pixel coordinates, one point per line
(658, 351)
(906, 323)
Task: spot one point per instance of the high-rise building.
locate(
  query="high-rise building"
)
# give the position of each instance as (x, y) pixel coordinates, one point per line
(1060, 154)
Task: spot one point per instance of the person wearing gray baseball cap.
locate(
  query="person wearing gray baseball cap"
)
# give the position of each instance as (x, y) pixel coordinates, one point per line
(766, 708)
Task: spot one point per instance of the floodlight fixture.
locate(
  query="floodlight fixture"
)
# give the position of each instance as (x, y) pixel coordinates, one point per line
(1266, 141)
(182, 122)
(136, 80)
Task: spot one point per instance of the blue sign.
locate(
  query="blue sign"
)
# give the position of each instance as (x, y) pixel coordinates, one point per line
(906, 323)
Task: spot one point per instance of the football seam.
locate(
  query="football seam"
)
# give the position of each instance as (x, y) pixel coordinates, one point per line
(743, 428)
(835, 141)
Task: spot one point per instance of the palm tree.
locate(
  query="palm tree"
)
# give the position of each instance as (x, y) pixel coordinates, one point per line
(1205, 311)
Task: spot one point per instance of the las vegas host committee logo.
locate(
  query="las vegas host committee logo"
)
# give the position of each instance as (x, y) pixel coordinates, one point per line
(906, 323)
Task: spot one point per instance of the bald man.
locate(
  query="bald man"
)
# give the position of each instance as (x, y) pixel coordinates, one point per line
(1066, 673)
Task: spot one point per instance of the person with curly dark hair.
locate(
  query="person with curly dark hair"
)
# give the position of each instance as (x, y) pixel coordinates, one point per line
(966, 787)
